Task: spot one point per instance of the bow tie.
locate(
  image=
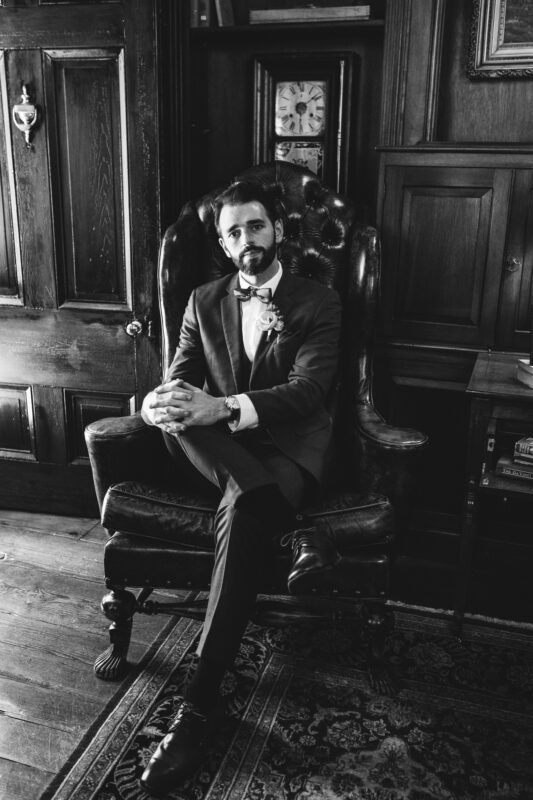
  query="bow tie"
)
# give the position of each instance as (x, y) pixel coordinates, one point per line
(264, 295)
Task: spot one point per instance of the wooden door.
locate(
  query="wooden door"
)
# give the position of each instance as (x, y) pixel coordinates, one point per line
(79, 231)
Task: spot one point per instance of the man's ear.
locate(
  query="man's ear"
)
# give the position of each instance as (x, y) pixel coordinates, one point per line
(223, 246)
(278, 229)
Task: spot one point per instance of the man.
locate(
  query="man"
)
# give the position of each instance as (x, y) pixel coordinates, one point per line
(244, 402)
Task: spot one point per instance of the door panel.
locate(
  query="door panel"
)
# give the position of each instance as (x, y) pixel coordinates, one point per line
(443, 233)
(85, 101)
(17, 431)
(515, 320)
(79, 217)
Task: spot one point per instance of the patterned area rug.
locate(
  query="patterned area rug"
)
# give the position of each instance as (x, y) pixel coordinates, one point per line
(302, 722)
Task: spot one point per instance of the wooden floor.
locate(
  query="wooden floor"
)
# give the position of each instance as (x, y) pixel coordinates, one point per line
(51, 630)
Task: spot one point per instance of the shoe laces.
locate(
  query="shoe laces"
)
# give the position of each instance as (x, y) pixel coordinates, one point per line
(185, 713)
(299, 539)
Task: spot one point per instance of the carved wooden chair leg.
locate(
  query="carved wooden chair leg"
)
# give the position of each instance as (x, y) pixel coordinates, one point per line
(378, 622)
(119, 606)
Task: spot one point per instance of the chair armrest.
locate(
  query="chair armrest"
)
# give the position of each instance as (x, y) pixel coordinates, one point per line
(124, 449)
(373, 427)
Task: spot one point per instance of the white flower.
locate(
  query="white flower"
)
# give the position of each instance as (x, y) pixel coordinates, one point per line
(270, 320)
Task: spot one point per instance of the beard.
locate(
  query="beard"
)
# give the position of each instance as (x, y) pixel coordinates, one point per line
(254, 260)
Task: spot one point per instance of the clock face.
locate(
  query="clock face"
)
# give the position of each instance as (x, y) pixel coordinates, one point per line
(300, 108)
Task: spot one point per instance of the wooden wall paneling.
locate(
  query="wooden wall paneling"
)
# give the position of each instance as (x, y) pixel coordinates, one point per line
(411, 71)
(49, 412)
(85, 108)
(142, 121)
(175, 101)
(10, 267)
(82, 408)
(478, 110)
(53, 488)
(443, 232)
(33, 185)
(395, 56)
(514, 322)
(17, 429)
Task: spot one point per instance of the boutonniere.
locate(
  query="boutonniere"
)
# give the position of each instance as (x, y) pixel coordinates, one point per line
(270, 320)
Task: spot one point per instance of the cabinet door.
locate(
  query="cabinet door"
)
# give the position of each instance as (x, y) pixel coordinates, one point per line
(514, 323)
(443, 232)
(79, 238)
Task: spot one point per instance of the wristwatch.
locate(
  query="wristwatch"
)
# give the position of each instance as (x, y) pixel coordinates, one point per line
(232, 404)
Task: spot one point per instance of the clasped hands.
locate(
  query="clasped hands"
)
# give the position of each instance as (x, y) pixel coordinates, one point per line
(176, 406)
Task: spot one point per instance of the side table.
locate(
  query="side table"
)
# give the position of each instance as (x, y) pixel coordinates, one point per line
(501, 412)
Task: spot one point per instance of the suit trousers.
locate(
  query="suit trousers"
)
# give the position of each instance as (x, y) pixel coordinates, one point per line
(261, 492)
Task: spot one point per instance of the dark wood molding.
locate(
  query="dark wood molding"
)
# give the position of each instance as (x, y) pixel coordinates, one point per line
(396, 52)
(433, 81)
(89, 26)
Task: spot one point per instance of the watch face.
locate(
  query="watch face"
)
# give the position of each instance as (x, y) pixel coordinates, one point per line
(300, 108)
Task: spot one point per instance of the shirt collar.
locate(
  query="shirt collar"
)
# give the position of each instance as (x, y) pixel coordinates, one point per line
(271, 284)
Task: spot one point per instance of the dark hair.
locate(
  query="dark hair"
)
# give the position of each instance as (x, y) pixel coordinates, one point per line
(241, 192)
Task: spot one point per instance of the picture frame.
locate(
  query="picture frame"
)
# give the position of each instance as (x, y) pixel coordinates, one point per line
(328, 152)
(502, 39)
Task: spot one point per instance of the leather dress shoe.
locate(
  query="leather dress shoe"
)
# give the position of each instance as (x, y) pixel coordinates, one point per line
(313, 555)
(180, 753)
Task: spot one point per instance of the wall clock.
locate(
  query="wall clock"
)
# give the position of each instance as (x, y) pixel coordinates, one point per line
(303, 112)
(300, 108)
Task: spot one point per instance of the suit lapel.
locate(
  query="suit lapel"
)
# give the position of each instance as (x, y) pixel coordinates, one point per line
(283, 298)
(231, 325)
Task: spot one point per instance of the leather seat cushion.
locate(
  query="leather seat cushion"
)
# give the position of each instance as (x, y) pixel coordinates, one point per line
(188, 520)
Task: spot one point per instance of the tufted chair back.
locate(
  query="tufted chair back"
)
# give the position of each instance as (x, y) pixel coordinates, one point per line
(323, 241)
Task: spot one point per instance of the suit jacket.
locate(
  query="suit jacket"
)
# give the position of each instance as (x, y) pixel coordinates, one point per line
(292, 371)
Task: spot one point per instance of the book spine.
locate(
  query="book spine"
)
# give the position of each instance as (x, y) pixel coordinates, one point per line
(524, 448)
(195, 13)
(204, 13)
(309, 14)
(225, 16)
(527, 461)
(514, 472)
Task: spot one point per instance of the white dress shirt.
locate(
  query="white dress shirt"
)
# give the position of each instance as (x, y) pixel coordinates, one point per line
(250, 311)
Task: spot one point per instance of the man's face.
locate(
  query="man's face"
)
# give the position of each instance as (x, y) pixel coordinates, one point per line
(248, 236)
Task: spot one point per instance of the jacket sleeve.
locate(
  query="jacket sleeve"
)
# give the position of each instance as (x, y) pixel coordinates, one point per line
(189, 360)
(311, 375)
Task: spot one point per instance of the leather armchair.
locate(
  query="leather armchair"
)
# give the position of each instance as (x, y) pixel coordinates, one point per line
(161, 524)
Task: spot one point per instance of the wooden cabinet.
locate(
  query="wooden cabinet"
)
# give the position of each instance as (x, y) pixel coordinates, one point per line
(458, 249)
(496, 520)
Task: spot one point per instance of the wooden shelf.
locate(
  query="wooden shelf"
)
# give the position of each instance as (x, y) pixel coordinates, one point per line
(285, 27)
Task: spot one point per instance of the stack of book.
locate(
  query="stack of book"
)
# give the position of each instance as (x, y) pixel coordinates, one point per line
(520, 464)
(309, 13)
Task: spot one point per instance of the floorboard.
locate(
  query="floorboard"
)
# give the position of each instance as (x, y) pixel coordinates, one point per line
(51, 630)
